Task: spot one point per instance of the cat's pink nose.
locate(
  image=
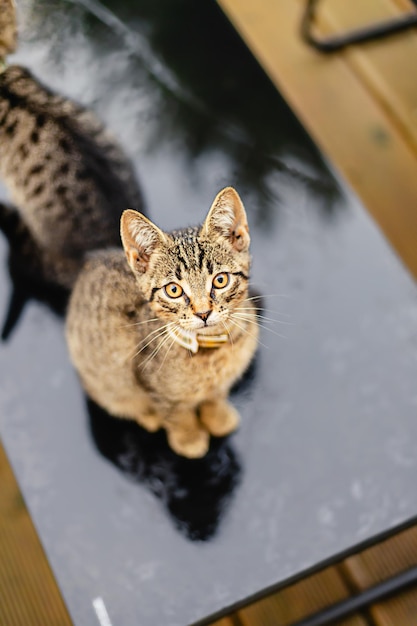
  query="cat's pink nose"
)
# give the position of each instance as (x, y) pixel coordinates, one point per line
(203, 315)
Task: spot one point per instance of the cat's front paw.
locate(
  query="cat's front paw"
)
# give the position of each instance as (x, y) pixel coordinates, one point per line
(191, 443)
(150, 421)
(220, 418)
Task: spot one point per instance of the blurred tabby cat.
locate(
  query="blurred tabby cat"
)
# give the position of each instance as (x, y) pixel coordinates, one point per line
(158, 332)
(67, 177)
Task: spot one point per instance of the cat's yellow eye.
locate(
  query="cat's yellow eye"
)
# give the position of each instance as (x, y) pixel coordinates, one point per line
(221, 280)
(173, 290)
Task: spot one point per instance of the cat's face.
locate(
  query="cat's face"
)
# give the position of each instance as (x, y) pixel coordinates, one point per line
(196, 282)
(194, 278)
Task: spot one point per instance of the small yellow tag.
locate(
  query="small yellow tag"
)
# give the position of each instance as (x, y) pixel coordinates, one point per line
(212, 341)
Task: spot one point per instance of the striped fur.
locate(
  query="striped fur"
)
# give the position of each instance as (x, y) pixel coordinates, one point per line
(67, 176)
(122, 324)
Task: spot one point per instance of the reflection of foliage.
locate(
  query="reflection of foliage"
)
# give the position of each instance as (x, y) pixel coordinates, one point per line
(244, 114)
(205, 91)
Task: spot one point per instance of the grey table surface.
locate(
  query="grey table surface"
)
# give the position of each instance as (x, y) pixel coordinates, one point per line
(326, 457)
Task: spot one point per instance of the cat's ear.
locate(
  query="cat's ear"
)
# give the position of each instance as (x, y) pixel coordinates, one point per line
(140, 239)
(227, 219)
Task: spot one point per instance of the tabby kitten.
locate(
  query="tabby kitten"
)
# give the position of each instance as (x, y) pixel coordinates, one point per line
(161, 338)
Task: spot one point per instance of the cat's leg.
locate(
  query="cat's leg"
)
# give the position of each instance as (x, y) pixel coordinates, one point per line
(145, 415)
(150, 420)
(134, 405)
(186, 436)
(219, 417)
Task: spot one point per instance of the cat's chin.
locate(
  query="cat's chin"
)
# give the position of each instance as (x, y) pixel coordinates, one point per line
(210, 329)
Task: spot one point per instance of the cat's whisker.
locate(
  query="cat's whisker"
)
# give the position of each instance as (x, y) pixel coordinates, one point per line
(166, 353)
(159, 332)
(258, 322)
(245, 330)
(153, 319)
(254, 300)
(156, 350)
(162, 344)
(151, 357)
(138, 351)
(253, 306)
(267, 295)
(260, 316)
(227, 329)
(271, 320)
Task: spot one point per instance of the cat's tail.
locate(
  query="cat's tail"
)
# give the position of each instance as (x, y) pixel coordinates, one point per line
(22, 244)
(11, 224)
(32, 272)
(29, 260)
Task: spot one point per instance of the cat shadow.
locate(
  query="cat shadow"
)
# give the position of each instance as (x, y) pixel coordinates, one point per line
(195, 492)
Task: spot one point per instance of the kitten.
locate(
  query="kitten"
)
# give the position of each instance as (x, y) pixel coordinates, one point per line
(67, 176)
(160, 334)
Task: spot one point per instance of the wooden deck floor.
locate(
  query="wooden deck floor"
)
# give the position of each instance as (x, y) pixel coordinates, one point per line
(28, 593)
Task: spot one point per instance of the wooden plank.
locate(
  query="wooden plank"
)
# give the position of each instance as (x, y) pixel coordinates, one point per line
(398, 611)
(28, 592)
(340, 111)
(386, 67)
(299, 600)
(379, 563)
(382, 561)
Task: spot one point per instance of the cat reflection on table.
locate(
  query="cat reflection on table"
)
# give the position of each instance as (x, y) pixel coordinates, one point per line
(195, 493)
(158, 333)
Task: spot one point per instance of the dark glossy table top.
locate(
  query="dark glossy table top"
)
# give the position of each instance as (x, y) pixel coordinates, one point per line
(326, 457)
